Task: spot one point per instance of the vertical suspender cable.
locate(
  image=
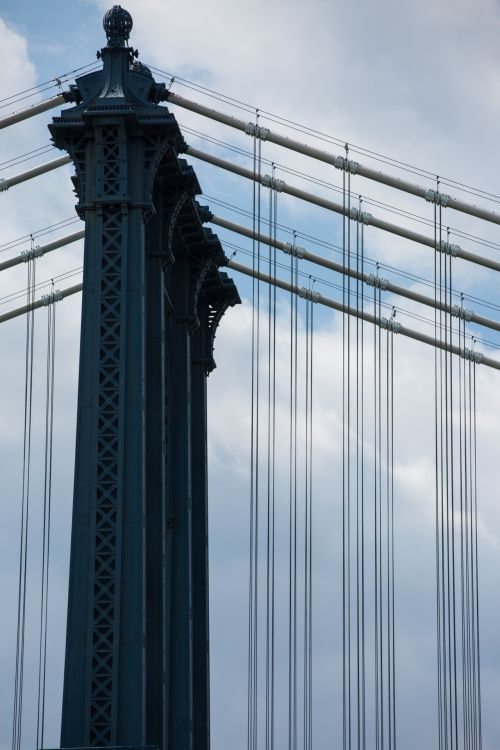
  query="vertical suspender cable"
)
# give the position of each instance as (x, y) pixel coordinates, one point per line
(452, 493)
(310, 602)
(271, 453)
(295, 499)
(436, 489)
(375, 495)
(358, 526)
(253, 589)
(344, 545)
(273, 489)
(388, 538)
(362, 493)
(391, 406)
(348, 460)
(269, 480)
(476, 603)
(461, 411)
(379, 472)
(47, 503)
(306, 536)
(17, 718)
(292, 529)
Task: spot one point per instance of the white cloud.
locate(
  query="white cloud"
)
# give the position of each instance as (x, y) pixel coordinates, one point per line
(415, 81)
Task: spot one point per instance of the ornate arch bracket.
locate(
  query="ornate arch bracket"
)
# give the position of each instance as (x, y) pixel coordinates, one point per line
(219, 299)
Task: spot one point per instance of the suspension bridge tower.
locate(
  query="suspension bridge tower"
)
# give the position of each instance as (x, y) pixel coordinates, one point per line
(137, 661)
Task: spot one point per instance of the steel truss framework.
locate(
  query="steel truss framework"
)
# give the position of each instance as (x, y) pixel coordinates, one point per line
(137, 662)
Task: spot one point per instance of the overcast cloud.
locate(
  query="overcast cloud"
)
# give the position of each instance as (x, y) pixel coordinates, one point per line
(416, 81)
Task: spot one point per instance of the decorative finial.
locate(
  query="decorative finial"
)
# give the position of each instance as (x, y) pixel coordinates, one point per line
(117, 24)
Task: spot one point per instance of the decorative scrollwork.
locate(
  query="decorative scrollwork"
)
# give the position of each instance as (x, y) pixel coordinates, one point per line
(174, 215)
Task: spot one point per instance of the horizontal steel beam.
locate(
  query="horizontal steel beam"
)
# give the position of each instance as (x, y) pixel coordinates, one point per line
(340, 162)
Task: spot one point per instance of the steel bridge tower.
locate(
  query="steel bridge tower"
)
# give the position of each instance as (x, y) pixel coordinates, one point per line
(137, 656)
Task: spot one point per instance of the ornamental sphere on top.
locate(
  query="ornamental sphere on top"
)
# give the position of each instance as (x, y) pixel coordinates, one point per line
(117, 24)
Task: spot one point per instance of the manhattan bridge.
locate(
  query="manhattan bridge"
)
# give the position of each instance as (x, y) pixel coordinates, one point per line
(349, 625)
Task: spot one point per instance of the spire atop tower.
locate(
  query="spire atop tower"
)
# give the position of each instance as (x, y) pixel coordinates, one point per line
(117, 23)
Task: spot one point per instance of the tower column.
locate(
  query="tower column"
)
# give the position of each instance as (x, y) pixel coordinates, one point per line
(136, 668)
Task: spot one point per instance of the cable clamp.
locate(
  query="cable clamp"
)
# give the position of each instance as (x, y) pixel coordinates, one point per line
(472, 355)
(48, 299)
(461, 312)
(440, 199)
(390, 324)
(448, 248)
(340, 162)
(4, 185)
(356, 215)
(256, 131)
(309, 294)
(271, 182)
(35, 252)
(376, 281)
(296, 250)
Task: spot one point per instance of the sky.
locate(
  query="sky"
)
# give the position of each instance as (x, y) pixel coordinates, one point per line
(416, 83)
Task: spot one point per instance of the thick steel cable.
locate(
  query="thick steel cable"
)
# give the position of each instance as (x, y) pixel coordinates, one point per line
(338, 208)
(317, 259)
(337, 161)
(49, 166)
(337, 249)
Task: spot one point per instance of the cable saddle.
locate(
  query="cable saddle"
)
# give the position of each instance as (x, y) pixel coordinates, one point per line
(376, 281)
(448, 248)
(356, 215)
(461, 312)
(35, 252)
(440, 199)
(340, 162)
(390, 324)
(309, 294)
(296, 250)
(272, 183)
(255, 131)
(472, 356)
(48, 299)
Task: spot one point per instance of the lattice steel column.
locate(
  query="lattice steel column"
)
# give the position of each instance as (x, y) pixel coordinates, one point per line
(137, 667)
(117, 135)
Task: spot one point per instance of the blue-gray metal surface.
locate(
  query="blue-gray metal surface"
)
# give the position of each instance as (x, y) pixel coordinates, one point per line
(137, 657)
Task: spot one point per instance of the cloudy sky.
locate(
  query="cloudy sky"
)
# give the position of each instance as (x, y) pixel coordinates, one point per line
(417, 83)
